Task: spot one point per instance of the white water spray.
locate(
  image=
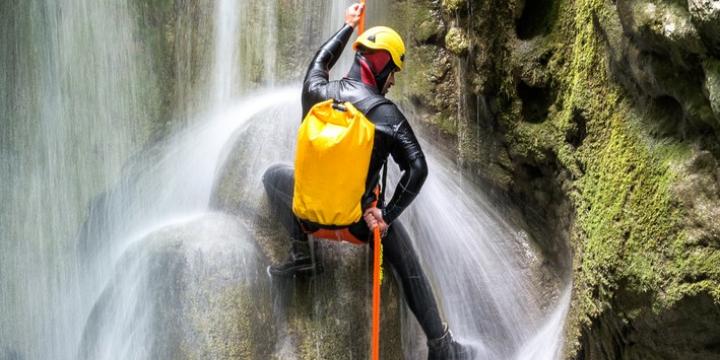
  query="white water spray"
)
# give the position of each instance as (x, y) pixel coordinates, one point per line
(173, 189)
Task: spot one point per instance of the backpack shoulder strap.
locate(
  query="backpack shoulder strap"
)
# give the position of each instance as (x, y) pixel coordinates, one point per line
(365, 105)
(369, 103)
(332, 90)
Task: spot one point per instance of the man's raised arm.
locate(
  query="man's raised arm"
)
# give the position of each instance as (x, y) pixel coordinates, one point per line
(318, 73)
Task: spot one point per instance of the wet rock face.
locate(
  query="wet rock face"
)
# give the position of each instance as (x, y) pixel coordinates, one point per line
(666, 48)
(689, 331)
(705, 14)
(602, 118)
(660, 26)
(326, 317)
(199, 290)
(712, 84)
(700, 193)
(195, 289)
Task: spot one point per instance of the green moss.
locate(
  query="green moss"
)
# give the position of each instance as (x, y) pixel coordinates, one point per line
(416, 80)
(453, 5)
(457, 41)
(629, 227)
(447, 124)
(428, 29)
(633, 256)
(427, 79)
(629, 234)
(415, 22)
(626, 216)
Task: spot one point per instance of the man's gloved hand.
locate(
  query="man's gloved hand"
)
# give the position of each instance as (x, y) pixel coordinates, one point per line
(373, 217)
(352, 14)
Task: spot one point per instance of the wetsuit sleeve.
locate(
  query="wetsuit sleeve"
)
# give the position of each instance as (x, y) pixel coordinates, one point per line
(318, 74)
(408, 155)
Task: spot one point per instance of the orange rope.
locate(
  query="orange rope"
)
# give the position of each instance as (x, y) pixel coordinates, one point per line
(377, 254)
(375, 347)
(361, 23)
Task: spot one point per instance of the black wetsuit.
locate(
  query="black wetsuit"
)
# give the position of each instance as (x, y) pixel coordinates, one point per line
(393, 137)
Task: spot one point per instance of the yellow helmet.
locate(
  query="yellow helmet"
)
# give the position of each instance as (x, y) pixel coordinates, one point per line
(383, 38)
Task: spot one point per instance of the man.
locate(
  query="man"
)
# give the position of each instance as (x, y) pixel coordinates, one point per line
(380, 53)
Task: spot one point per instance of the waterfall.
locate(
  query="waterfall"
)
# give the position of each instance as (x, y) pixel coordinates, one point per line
(225, 70)
(85, 188)
(72, 110)
(475, 256)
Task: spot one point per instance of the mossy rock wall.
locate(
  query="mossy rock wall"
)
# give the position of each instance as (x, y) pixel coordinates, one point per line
(600, 117)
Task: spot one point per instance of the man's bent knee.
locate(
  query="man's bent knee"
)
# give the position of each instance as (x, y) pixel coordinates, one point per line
(276, 174)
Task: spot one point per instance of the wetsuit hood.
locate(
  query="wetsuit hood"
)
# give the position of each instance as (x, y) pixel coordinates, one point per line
(372, 68)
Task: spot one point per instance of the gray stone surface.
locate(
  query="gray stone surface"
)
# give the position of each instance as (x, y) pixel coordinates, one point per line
(195, 289)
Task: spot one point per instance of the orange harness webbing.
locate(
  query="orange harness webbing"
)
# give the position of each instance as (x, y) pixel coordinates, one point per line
(343, 234)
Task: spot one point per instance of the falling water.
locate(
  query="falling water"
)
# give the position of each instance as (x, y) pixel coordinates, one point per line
(171, 189)
(72, 110)
(479, 262)
(226, 67)
(87, 200)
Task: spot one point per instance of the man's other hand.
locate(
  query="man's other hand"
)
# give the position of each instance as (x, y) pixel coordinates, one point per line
(373, 218)
(352, 14)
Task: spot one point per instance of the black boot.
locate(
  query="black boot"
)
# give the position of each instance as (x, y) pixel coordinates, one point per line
(446, 348)
(302, 261)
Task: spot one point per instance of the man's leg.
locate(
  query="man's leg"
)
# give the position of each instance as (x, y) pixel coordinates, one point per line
(400, 254)
(279, 183)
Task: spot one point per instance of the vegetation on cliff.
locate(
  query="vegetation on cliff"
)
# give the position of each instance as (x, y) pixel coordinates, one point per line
(602, 116)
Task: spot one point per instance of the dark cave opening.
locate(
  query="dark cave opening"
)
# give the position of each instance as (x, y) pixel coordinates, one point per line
(537, 19)
(535, 102)
(667, 117)
(578, 130)
(692, 321)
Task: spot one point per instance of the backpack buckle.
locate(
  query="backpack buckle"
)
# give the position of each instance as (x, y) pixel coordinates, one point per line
(338, 106)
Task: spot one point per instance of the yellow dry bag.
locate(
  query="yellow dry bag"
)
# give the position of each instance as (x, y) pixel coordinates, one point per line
(334, 146)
